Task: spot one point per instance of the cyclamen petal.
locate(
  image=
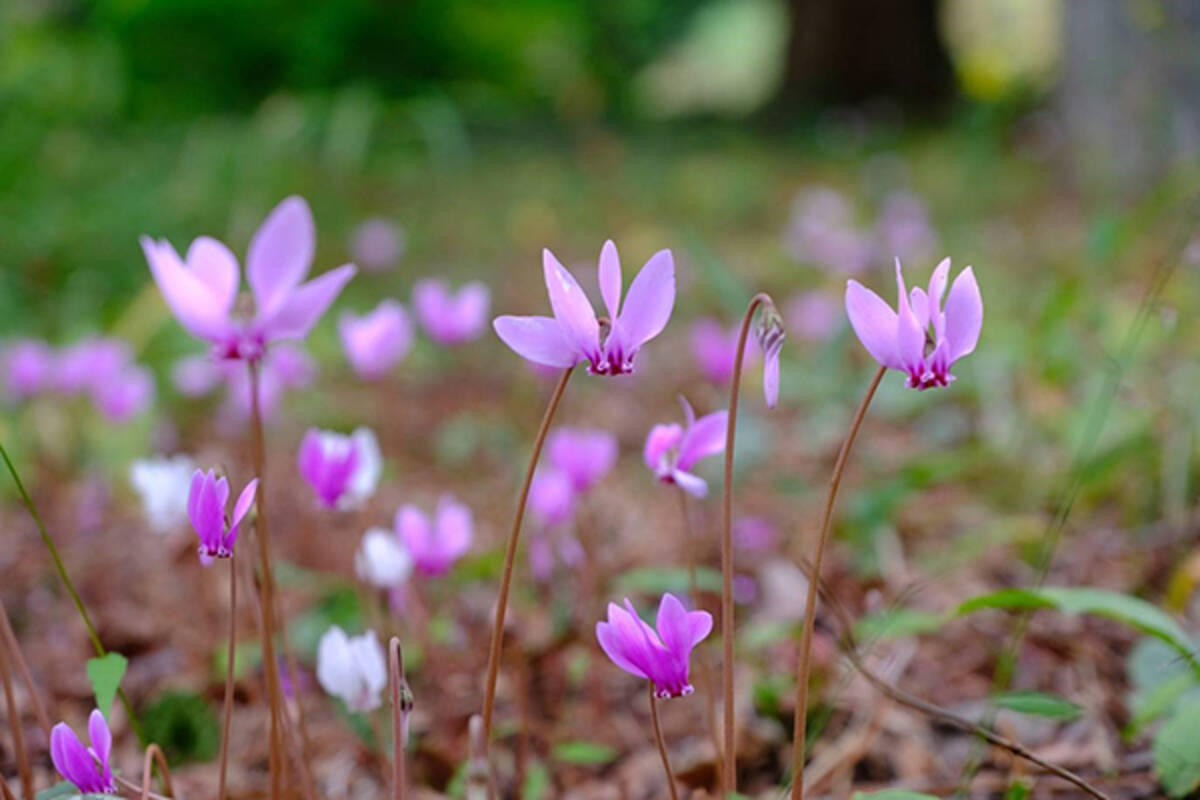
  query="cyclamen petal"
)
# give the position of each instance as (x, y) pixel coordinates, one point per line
(88, 769)
(672, 450)
(539, 339)
(650, 300)
(280, 254)
(584, 455)
(660, 656)
(571, 307)
(353, 669)
(378, 340)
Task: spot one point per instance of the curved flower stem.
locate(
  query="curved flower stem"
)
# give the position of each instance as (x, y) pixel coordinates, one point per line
(18, 733)
(97, 645)
(227, 709)
(153, 756)
(658, 739)
(704, 668)
(14, 648)
(266, 588)
(401, 705)
(5, 792)
(729, 767)
(804, 662)
(510, 555)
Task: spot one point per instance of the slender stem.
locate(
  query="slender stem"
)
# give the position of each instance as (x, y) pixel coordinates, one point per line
(7, 793)
(266, 586)
(18, 733)
(800, 722)
(510, 555)
(704, 668)
(401, 705)
(658, 739)
(729, 767)
(97, 645)
(14, 648)
(154, 755)
(227, 710)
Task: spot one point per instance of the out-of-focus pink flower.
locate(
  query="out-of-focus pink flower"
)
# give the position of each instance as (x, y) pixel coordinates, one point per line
(574, 334)
(822, 232)
(377, 341)
(88, 364)
(377, 244)
(672, 450)
(125, 395)
(813, 315)
(661, 656)
(903, 228)
(448, 317)
(342, 470)
(584, 455)
(922, 338)
(546, 549)
(207, 500)
(770, 333)
(551, 498)
(29, 367)
(87, 768)
(755, 534)
(436, 544)
(714, 349)
(201, 288)
(285, 366)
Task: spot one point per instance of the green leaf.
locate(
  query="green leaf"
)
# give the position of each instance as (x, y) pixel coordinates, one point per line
(1123, 608)
(1038, 704)
(184, 725)
(583, 753)
(67, 791)
(537, 783)
(659, 580)
(105, 674)
(1177, 751)
(1017, 790)
(894, 794)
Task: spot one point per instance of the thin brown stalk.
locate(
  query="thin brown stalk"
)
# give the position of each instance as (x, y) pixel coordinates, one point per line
(510, 555)
(14, 649)
(7, 792)
(804, 661)
(18, 733)
(703, 667)
(729, 762)
(266, 588)
(154, 755)
(662, 747)
(401, 704)
(97, 645)
(227, 707)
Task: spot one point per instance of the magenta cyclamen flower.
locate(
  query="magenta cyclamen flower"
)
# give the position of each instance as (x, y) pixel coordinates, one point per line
(660, 656)
(85, 767)
(584, 455)
(451, 317)
(574, 334)
(672, 450)
(378, 340)
(922, 338)
(436, 544)
(207, 499)
(201, 288)
(342, 469)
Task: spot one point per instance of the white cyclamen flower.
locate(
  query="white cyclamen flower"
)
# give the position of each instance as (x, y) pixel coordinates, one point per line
(352, 668)
(381, 560)
(370, 467)
(163, 484)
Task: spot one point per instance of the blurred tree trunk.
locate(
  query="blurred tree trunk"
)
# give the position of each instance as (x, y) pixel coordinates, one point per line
(851, 51)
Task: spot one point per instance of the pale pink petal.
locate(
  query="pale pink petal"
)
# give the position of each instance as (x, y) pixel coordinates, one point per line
(304, 306)
(937, 282)
(661, 440)
(690, 483)
(649, 302)
(874, 322)
(672, 624)
(964, 315)
(216, 267)
(610, 279)
(99, 735)
(571, 306)
(771, 377)
(244, 501)
(454, 527)
(280, 254)
(194, 303)
(539, 339)
(706, 437)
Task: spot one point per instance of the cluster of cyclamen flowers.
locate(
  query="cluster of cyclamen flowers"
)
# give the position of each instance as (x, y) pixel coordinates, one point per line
(923, 337)
(101, 369)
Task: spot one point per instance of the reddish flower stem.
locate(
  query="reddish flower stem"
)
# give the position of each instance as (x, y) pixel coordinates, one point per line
(227, 708)
(401, 703)
(729, 767)
(804, 663)
(18, 733)
(14, 649)
(662, 747)
(510, 555)
(154, 755)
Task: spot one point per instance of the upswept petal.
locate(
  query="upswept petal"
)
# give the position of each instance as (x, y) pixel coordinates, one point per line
(874, 323)
(244, 502)
(610, 278)
(964, 315)
(661, 441)
(680, 629)
(571, 306)
(280, 254)
(196, 305)
(691, 483)
(71, 758)
(649, 302)
(615, 643)
(414, 530)
(301, 309)
(705, 437)
(937, 282)
(454, 528)
(538, 339)
(216, 267)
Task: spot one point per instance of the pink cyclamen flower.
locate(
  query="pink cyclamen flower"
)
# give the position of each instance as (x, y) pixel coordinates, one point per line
(87, 768)
(672, 450)
(284, 366)
(922, 338)
(201, 288)
(813, 315)
(343, 470)
(714, 350)
(375, 342)
(125, 395)
(574, 334)
(207, 500)
(29, 367)
(436, 544)
(584, 455)
(448, 317)
(551, 498)
(377, 244)
(660, 656)
(88, 364)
